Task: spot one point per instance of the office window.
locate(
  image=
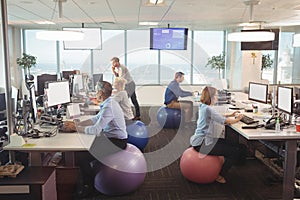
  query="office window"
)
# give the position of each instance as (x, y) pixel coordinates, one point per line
(45, 51)
(112, 45)
(285, 57)
(141, 61)
(206, 45)
(173, 61)
(75, 59)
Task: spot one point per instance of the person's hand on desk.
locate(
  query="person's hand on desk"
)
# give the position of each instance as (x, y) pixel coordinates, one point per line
(69, 126)
(234, 114)
(237, 117)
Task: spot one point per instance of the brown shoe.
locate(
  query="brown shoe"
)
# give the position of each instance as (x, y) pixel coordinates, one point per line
(221, 179)
(136, 118)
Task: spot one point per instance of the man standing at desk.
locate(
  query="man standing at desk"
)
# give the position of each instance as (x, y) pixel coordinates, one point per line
(122, 71)
(174, 91)
(109, 125)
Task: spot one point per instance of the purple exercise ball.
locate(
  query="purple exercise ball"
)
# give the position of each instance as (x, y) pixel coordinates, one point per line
(122, 172)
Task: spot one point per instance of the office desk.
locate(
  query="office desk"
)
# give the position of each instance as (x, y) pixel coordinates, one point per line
(91, 109)
(290, 137)
(62, 142)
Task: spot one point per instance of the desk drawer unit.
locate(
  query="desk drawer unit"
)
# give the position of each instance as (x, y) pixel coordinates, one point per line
(31, 183)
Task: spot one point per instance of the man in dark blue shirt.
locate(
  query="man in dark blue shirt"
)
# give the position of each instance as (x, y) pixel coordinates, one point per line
(174, 91)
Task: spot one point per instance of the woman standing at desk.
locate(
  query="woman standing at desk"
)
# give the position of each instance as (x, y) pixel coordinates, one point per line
(203, 140)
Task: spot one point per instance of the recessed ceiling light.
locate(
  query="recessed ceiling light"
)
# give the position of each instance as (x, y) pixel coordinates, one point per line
(44, 22)
(155, 3)
(60, 35)
(148, 23)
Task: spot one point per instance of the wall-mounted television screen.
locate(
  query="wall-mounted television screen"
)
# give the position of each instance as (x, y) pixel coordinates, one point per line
(168, 38)
(269, 45)
(92, 39)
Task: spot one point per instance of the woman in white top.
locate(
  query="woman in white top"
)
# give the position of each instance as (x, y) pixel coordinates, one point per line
(121, 97)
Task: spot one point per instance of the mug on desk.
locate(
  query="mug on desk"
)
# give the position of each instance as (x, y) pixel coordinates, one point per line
(298, 124)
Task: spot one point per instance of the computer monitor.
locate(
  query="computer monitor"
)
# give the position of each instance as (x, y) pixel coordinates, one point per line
(258, 92)
(42, 79)
(297, 93)
(97, 78)
(77, 83)
(66, 74)
(2, 107)
(296, 103)
(2, 102)
(285, 99)
(58, 93)
(33, 107)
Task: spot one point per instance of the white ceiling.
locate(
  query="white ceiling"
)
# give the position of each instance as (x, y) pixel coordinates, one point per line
(126, 14)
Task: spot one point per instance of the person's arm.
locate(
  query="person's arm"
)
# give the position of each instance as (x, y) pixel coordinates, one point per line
(231, 120)
(103, 118)
(87, 122)
(232, 114)
(113, 69)
(74, 125)
(175, 88)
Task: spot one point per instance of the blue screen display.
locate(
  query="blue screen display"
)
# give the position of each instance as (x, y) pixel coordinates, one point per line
(168, 38)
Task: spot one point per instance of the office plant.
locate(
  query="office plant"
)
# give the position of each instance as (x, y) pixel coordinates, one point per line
(217, 62)
(266, 62)
(26, 62)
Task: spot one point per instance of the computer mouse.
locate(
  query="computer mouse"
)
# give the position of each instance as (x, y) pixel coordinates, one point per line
(35, 135)
(47, 134)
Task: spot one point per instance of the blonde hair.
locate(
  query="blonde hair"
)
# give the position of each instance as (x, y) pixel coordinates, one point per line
(120, 82)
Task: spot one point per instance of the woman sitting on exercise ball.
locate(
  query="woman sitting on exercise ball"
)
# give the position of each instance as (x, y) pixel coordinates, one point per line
(203, 139)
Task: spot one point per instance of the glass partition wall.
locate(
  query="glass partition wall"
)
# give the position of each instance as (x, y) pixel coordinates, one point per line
(5, 84)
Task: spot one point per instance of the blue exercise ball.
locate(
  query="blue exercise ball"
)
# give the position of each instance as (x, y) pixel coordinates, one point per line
(137, 134)
(122, 172)
(169, 117)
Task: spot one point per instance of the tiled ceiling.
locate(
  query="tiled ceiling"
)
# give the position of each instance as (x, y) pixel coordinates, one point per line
(126, 14)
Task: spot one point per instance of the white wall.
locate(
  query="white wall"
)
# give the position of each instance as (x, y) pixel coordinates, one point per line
(251, 68)
(154, 95)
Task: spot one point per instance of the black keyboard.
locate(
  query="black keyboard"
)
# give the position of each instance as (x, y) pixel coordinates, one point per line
(248, 120)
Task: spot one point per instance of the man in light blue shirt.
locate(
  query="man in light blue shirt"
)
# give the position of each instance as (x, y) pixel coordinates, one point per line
(109, 127)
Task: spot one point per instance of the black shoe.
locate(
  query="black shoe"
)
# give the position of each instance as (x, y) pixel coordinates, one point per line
(84, 191)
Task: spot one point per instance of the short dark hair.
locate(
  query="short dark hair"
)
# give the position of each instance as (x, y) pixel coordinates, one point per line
(115, 59)
(105, 87)
(179, 74)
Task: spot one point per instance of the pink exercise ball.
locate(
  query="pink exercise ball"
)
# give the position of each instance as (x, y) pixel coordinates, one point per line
(200, 168)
